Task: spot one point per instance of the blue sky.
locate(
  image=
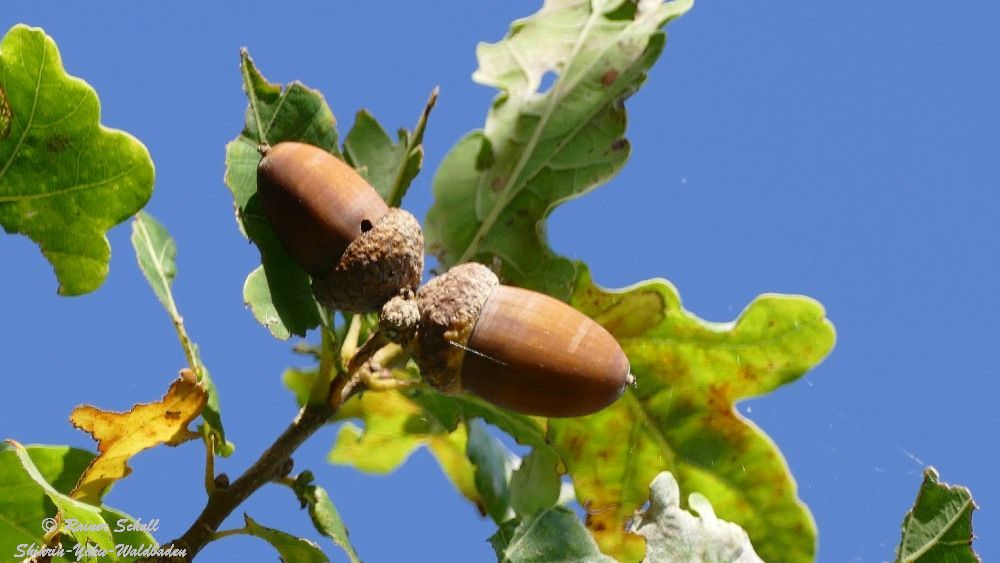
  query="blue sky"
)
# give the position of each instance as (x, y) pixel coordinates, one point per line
(845, 152)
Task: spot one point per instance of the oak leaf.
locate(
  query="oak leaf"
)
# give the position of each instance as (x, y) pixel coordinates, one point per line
(121, 435)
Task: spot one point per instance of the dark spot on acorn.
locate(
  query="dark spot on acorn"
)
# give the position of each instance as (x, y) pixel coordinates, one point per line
(366, 226)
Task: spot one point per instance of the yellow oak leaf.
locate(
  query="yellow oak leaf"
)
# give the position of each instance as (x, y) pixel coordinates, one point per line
(121, 435)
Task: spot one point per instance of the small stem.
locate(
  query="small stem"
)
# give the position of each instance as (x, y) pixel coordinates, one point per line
(209, 440)
(387, 382)
(371, 346)
(226, 533)
(185, 340)
(52, 536)
(350, 343)
(389, 355)
(321, 385)
(286, 481)
(326, 317)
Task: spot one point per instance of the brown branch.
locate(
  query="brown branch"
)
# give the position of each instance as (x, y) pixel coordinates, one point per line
(269, 466)
(223, 501)
(274, 463)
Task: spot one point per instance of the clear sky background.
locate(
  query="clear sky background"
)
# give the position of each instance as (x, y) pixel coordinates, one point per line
(845, 151)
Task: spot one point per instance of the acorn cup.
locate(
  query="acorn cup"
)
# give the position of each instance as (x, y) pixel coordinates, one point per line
(518, 349)
(359, 251)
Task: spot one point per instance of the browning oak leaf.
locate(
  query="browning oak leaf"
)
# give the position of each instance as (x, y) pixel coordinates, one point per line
(680, 415)
(121, 435)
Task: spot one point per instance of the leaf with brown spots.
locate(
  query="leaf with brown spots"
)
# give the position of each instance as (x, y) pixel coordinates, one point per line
(121, 435)
(5, 114)
(680, 417)
(65, 179)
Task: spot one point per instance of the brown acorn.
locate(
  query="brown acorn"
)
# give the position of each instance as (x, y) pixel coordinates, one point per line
(359, 251)
(518, 349)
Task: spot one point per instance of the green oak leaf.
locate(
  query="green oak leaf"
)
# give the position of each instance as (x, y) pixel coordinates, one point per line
(389, 167)
(535, 485)
(137, 538)
(497, 185)
(323, 513)
(494, 464)
(939, 526)
(64, 178)
(278, 292)
(156, 252)
(674, 534)
(299, 381)
(679, 417)
(395, 427)
(552, 535)
(396, 423)
(24, 503)
(289, 547)
(36, 480)
(454, 409)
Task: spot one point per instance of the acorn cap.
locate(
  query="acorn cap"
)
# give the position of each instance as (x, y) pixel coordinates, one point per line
(449, 306)
(383, 260)
(399, 317)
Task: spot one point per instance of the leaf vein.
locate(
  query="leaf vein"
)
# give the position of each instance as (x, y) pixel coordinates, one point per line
(31, 116)
(69, 190)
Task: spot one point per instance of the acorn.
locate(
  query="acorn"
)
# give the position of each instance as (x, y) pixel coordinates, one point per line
(516, 348)
(358, 250)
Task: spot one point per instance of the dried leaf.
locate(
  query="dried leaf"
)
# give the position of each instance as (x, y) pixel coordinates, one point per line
(680, 415)
(122, 435)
